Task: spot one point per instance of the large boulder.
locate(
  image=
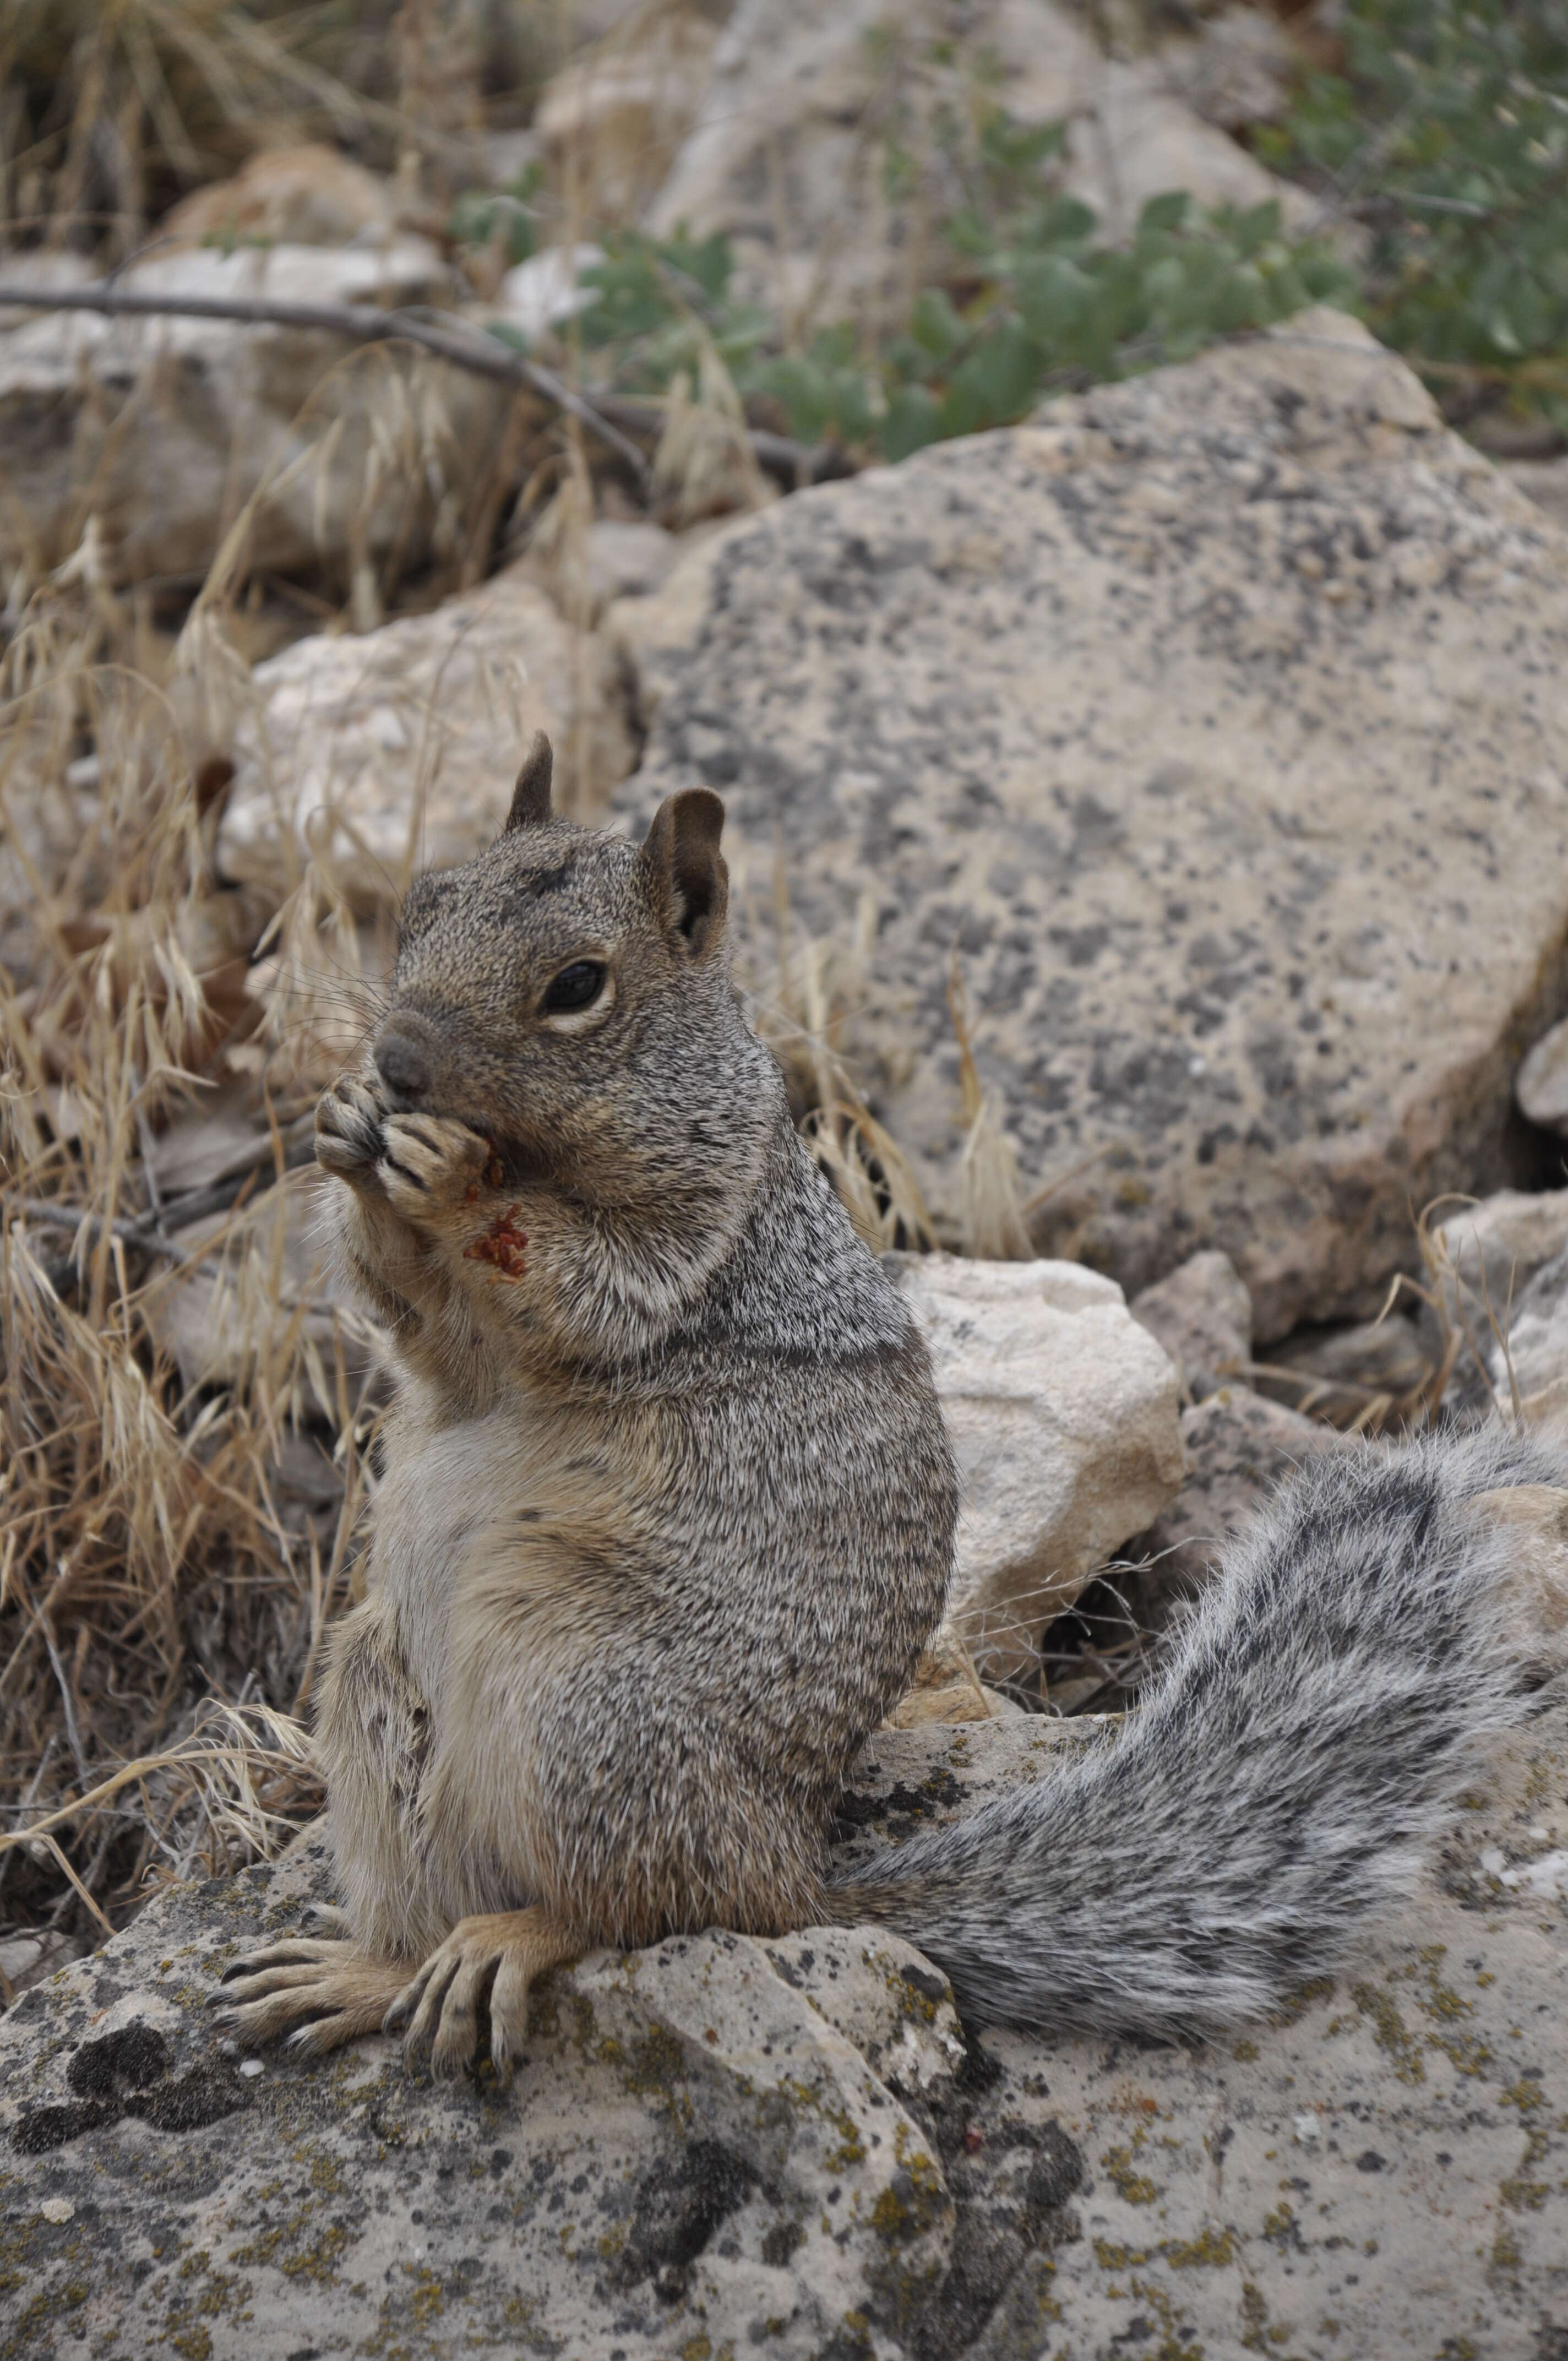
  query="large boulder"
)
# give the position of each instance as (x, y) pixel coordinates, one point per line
(724, 2145)
(1213, 724)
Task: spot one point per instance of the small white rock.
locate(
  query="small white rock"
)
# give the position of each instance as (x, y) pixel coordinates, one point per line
(1546, 1877)
(1308, 2129)
(1493, 1863)
(1065, 1416)
(251, 2067)
(58, 2209)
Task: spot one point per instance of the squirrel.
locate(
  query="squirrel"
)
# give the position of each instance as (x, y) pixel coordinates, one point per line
(667, 1515)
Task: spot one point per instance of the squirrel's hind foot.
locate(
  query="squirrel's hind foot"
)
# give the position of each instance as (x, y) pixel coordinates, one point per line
(318, 1993)
(484, 1966)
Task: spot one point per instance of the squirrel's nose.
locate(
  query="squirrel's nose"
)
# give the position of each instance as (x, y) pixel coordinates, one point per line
(403, 1064)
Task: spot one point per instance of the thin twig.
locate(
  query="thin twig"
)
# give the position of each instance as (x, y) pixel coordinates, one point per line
(149, 1231)
(66, 1698)
(613, 419)
(62, 1858)
(480, 356)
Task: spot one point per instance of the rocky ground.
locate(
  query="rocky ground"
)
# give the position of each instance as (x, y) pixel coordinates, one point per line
(1149, 838)
(726, 2145)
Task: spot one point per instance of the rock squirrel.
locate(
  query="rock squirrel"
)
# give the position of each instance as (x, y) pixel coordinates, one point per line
(667, 1516)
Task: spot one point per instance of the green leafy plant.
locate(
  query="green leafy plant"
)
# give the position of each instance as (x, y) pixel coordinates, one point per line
(1028, 297)
(1446, 137)
(511, 215)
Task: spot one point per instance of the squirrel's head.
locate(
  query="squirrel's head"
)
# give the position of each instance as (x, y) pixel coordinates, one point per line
(569, 994)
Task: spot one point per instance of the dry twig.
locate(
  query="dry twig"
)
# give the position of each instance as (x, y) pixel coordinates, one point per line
(612, 420)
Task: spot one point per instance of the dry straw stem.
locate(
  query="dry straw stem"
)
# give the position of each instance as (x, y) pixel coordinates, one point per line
(107, 110)
(802, 1018)
(149, 1562)
(358, 324)
(993, 1218)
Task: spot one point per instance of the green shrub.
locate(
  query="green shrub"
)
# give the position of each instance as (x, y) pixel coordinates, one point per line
(1029, 298)
(1446, 137)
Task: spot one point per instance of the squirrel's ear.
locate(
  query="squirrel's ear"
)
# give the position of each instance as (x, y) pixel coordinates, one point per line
(687, 882)
(531, 796)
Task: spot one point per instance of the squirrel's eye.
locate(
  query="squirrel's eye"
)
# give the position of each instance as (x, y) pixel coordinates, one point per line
(577, 986)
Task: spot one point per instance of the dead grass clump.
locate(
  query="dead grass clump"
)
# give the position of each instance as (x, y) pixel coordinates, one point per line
(107, 114)
(157, 1557)
(801, 1014)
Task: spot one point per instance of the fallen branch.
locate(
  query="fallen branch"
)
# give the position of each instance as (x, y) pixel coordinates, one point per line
(606, 415)
(481, 356)
(151, 1230)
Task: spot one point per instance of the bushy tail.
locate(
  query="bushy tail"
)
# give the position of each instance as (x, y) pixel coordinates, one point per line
(1315, 1720)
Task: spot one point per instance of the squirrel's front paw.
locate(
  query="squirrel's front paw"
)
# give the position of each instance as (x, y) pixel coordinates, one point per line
(431, 1163)
(351, 1136)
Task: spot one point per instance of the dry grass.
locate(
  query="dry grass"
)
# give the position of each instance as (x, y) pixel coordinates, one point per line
(154, 1561)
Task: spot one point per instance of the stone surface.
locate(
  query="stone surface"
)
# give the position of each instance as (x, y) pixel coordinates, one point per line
(786, 155)
(1237, 70)
(1239, 1446)
(784, 2146)
(1533, 1344)
(1540, 1085)
(161, 429)
(1482, 1259)
(1360, 1371)
(1201, 1313)
(287, 196)
(1174, 716)
(1063, 1414)
(610, 122)
(397, 749)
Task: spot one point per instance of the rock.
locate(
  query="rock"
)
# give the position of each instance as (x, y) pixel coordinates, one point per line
(1480, 1262)
(627, 560)
(286, 196)
(398, 748)
(614, 561)
(543, 292)
(722, 2141)
(162, 428)
(947, 1688)
(611, 121)
(1169, 715)
(1239, 1448)
(788, 153)
(717, 2129)
(1063, 1414)
(1203, 1315)
(1540, 1085)
(264, 1301)
(1238, 71)
(1534, 1360)
(1544, 481)
(1359, 1372)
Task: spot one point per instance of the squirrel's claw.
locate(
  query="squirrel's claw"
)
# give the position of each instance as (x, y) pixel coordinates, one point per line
(485, 1963)
(431, 1163)
(351, 1129)
(318, 1993)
